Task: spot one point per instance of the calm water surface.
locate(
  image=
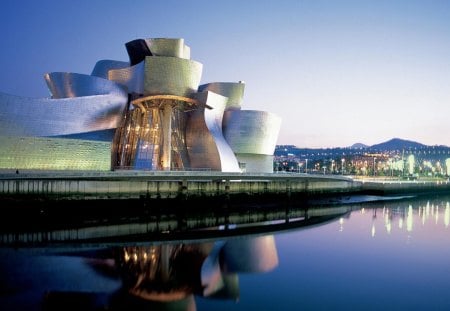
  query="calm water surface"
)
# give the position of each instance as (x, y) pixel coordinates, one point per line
(391, 255)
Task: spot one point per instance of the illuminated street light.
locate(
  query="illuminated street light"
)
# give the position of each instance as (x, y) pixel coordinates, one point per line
(374, 166)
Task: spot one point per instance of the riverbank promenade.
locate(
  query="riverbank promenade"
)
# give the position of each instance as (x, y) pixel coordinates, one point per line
(149, 185)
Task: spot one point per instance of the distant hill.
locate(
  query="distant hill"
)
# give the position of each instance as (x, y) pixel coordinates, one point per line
(358, 146)
(398, 144)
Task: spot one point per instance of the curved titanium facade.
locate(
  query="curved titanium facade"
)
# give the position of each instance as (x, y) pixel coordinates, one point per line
(131, 77)
(149, 112)
(233, 91)
(137, 51)
(102, 67)
(21, 116)
(69, 85)
(252, 135)
(204, 137)
(168, 47)
(251, 131)
(54, 153)
(170, 75)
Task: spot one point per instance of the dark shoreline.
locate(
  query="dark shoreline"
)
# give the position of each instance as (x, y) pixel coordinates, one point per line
(36, 224)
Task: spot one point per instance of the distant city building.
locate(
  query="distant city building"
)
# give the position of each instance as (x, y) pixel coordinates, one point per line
(150, 113)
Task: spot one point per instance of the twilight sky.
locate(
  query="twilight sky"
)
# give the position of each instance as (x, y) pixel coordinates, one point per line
(336, 72)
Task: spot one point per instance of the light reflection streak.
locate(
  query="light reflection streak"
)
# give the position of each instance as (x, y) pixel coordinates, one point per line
(436, 214)
(409, 219)
(387, 222)
(447, 214)
(423, 216)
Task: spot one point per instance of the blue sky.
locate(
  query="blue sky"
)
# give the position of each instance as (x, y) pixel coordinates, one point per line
(336, 72)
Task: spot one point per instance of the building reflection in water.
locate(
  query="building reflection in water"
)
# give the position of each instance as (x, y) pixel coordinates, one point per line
(169, 276)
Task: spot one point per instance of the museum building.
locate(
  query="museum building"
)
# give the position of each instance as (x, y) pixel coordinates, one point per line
(150, 113)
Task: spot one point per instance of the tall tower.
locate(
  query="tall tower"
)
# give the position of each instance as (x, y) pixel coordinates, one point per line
(162, 83)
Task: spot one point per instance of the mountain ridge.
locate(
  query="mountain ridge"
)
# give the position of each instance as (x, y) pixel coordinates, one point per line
(398, 143)
(389, 145)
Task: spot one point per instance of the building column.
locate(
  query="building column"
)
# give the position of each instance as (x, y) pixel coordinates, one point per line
(166, 157)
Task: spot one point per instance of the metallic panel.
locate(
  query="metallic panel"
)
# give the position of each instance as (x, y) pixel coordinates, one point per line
(137, 51)
(54, 154)
(234, 92)
(206, 145)
(69, 85)
(168, 47)
(172, 76)
(251, 131)
(102, 67)
(22, 116)
(131, 77)
(255, 163)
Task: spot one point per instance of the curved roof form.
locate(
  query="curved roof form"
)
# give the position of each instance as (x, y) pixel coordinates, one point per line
(131, 77)
(171, 75)
(232, 90)
(137, 51)
(251, 131)
(102, 67)
(70, 85)
(207, 146)
(168, 47)
(22, 116)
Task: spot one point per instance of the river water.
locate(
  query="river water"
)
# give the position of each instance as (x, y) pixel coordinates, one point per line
(373, 255)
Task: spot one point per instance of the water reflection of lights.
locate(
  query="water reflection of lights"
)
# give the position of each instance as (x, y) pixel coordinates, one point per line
(174, 272)
(447, 214)
(341, 224)
(429, 213)
(409, 219)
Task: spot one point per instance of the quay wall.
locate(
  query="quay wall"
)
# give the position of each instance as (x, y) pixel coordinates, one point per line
(165, 185)
(58, 185)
